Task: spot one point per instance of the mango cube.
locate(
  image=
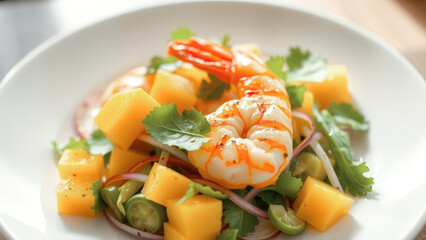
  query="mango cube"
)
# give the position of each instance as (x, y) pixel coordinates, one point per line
(333, 89)
(120, 118)
(75, 197)
(171, 88)
(307, 104)
(199, 217)
(164, 184)
(121, 160)
(77, 163)
(248, 47)
(195, 75)
(171, 233)
(320, 204)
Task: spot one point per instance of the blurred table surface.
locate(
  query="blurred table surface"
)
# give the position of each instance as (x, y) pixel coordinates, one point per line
(26, 24)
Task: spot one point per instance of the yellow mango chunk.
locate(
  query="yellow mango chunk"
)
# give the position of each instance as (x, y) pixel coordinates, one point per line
(192, 73)
(248, 47)
(197, 218)
(75, 197)
(171, 233)
(333, 89)
(164, 184)
(320, 204)
(120, 118)
(80, 164)
(171, 88)
(307, 104)
(121, 160)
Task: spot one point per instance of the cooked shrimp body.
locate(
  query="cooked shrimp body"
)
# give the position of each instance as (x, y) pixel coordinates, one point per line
(251, 137)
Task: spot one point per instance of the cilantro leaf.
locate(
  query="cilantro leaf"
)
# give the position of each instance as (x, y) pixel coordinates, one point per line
(225, 41)
(345, 114)
(351, 176)
(168, 64)
(212, 90)
(73, 144)
(271, 197)
(99, 203)
(304, 66)
(296, 58)
(99, 144)
(206, 190)
(239, 219)
(276, 64)
(228, 234)
(286, 185)
(185, 131)
(295, 93)
(181, 33)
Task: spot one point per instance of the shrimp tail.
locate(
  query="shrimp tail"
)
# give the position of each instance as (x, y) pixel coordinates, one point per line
(228, 65)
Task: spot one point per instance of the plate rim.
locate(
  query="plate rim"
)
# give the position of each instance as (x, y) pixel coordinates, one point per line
(144, 5)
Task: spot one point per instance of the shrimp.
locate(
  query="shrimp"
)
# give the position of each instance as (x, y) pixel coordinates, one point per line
(251, 137)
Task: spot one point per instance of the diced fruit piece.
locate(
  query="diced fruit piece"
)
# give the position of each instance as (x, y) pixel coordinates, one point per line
(121, 160)
(248, 47)
(120, 118)
(75, 197)
(320, 204)
(192, 217)
(144, 214)
(335, 83)
(77, 163)
(171, 88)
(307, 104)
(164, 184)
(171, 233)
(135, 78)
(192, 73)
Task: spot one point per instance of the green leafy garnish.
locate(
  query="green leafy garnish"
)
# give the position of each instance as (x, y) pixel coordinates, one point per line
(184, 131)
(271, 197)
(181, 33)
(206, 190)
(228, 234)
(296, 58)
(276, 64)
(168, 64)
(345, 114)
(305, 66)
(295, 94)
(97, 144)
(351, 176)
(286, 185)
(99, 203)
(73, 144)
(225, 41)
(239, 219)
(212, 90)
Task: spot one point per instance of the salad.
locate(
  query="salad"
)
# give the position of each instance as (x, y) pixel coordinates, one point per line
(213, 142)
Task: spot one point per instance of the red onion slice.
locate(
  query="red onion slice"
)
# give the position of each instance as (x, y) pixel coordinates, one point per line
(251, 194)
(133, 231)
(307, 140)
(234, 198)
(126, 176)
(172, 150)
(84, 115)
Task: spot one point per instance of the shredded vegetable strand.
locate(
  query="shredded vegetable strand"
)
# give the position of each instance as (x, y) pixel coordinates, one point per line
(126, 176)
(270, 237)
(251, 194)
(308, 137)
(235, 198)
(164, 157)
(172, 150)
(331, 174)
(133, 231)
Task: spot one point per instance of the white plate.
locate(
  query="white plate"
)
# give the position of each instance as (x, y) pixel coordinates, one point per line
(37, 99)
